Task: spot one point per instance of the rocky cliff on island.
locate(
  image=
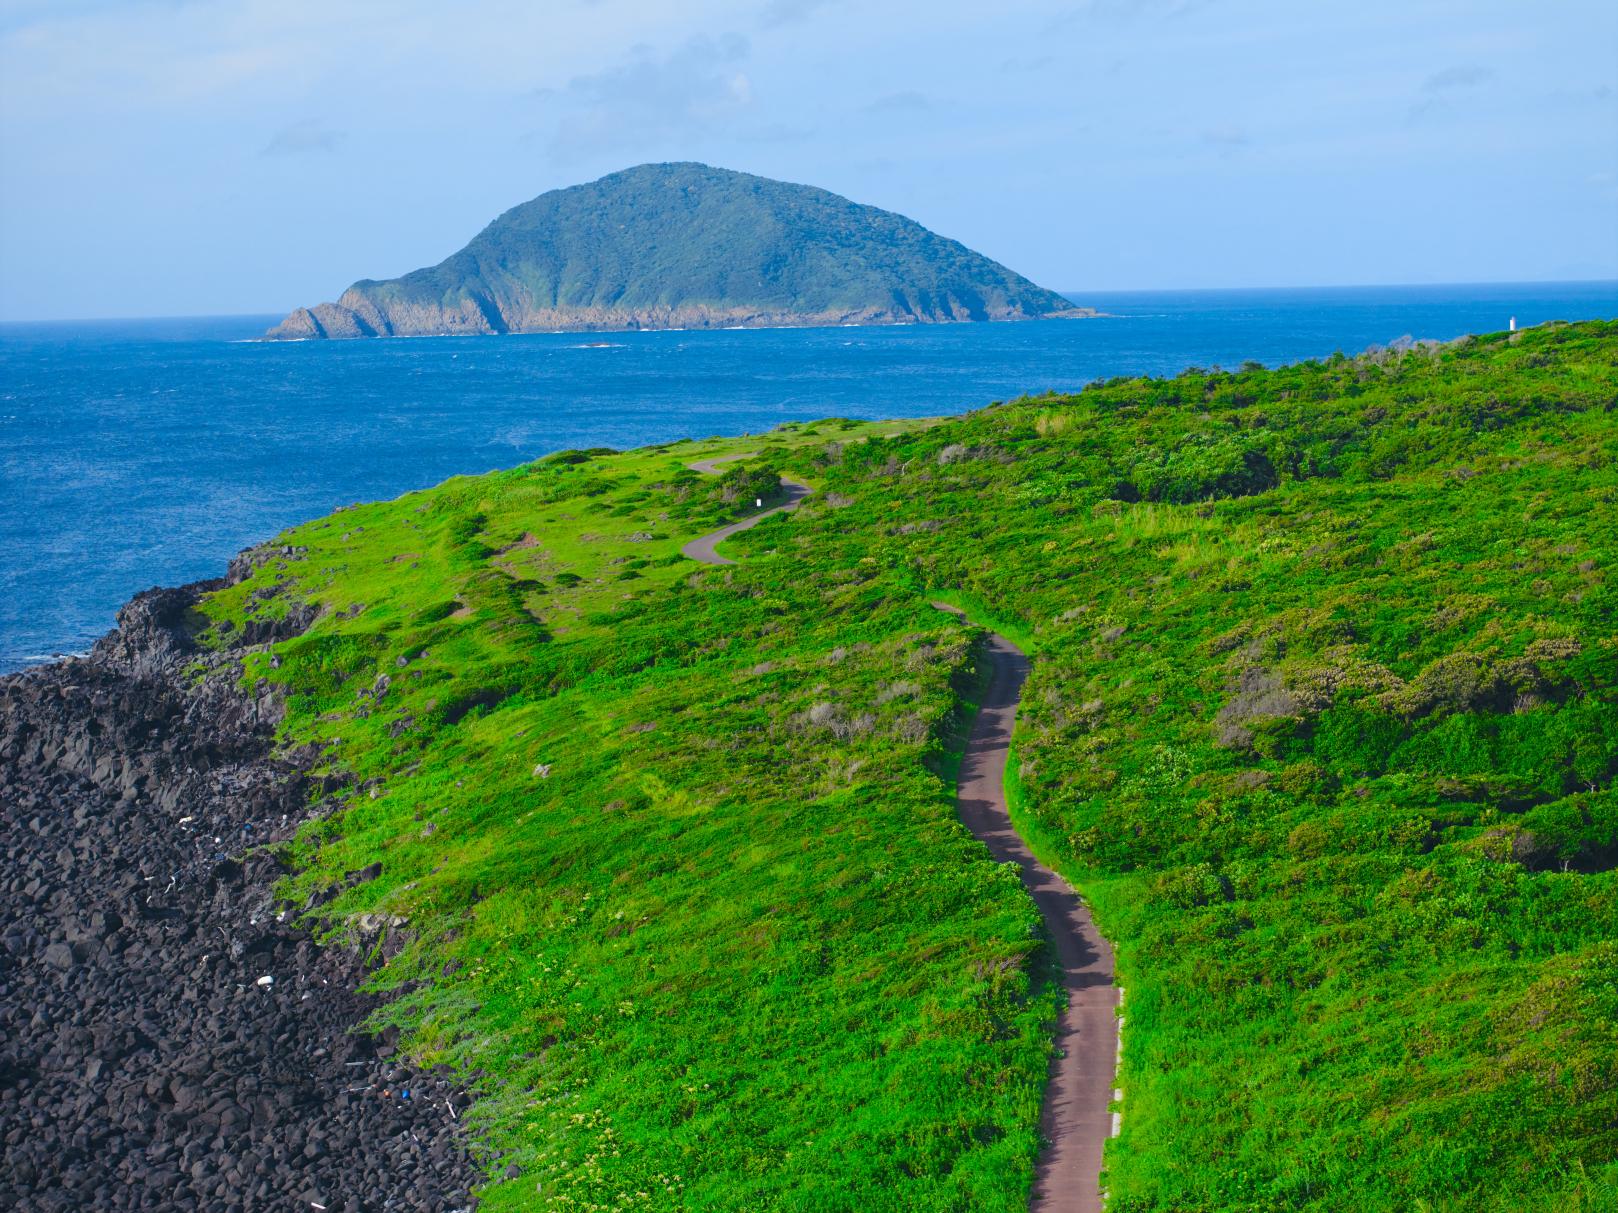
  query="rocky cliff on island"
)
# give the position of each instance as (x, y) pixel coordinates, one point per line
(685, 246)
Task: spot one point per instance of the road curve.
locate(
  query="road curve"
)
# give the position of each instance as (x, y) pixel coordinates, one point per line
(702, 548)
(1076, 1120)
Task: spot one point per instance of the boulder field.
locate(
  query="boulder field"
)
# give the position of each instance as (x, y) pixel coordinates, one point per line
(170, 1036)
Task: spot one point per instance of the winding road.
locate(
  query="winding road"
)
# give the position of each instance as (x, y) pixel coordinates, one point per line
(1075, 1119)
(702, 548)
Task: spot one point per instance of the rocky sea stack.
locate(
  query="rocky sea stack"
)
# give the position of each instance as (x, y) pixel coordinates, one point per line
(685, 246)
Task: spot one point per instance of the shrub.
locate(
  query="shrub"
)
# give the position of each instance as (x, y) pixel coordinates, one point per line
(1199, 469)
(742, 485)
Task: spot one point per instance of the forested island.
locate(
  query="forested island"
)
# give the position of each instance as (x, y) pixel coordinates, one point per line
(685, 246)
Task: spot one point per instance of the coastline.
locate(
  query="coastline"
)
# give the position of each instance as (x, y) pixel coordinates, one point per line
(160, 999)
(484, 618)
(639, 324)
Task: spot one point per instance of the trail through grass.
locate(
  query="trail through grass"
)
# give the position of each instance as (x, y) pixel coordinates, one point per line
(1325, 723)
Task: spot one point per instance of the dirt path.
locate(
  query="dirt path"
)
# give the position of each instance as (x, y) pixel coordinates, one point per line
(1075, 1120)
(702, 549)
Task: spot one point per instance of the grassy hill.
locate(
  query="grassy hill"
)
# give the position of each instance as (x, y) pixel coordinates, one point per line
(685, 246)
(1323, 718)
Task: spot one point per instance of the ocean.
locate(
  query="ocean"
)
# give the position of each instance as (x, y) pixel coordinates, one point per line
(141, 453)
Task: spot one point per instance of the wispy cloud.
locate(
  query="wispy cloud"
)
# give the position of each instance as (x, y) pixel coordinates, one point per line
(309, 135)
(1466, 76)
(653, 99)
(1442, 84)
(1581, 96)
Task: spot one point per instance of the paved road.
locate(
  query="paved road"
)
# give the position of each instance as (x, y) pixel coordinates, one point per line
(1075, 1120)
(702, 548)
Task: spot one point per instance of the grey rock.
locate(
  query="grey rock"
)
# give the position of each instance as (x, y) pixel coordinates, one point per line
(122, 1023)
(60, 956)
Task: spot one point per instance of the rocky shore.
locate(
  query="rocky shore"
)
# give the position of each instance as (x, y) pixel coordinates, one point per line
(170, 1038)
(357, 314)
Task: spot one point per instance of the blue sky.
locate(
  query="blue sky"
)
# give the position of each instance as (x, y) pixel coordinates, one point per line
(162, 157)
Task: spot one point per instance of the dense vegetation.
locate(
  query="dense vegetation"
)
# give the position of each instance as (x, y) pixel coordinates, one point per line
(685, 246)
(1323, 718)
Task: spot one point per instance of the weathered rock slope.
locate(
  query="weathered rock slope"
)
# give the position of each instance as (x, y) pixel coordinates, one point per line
(145, 1060)
(685, 246)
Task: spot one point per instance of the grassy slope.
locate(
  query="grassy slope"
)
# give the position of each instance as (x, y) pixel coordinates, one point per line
(666, 235)
(1324, 721)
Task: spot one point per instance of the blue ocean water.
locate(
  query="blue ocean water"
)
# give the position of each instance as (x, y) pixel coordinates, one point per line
(140, 453)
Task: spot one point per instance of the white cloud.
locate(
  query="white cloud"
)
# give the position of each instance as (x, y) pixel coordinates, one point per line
(168, 55)
(652, 100)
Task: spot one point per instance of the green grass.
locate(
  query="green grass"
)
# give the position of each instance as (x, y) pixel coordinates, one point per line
(1324, 721)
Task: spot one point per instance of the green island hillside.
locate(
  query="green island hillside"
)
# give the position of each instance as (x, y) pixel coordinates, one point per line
(1323, 719)
(685, 246)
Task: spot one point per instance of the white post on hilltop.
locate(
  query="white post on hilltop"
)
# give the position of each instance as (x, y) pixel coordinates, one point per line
(1514, 324)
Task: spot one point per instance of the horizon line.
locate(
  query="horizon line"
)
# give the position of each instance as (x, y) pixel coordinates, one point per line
(1074, 295)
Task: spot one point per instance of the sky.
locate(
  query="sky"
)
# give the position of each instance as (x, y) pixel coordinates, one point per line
(195, 157)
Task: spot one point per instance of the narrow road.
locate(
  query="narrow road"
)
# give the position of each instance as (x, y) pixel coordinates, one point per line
(1075, 1120)
(702, 549)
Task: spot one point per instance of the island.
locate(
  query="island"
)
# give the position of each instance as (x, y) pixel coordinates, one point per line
(685, 246)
